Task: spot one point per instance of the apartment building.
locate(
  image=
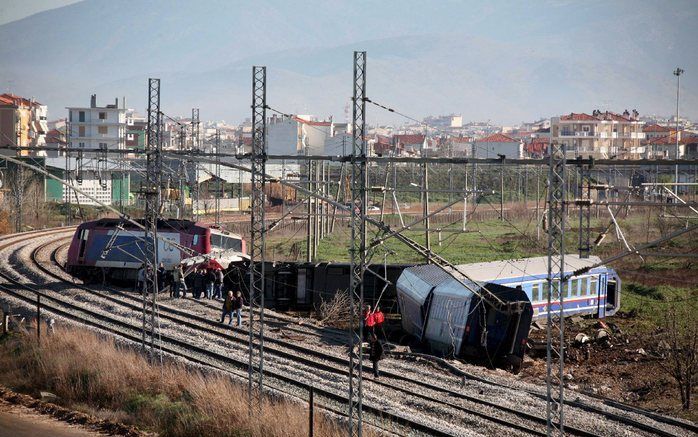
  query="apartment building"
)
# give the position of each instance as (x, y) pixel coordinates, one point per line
(96, 127)
(22, 123)
(601, 134)
(498, 145)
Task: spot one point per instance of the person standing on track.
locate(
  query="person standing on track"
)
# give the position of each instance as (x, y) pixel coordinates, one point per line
(369, 322)
(375, 354)
(141, 278)
(218, 285)
(210, 278)
(238, 303)
(228, 308)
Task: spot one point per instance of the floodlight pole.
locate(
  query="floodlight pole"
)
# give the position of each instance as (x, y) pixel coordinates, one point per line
(678, 72)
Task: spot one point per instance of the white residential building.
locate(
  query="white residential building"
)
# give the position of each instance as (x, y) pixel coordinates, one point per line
(495, 145)
(97, 127)
(601, 134)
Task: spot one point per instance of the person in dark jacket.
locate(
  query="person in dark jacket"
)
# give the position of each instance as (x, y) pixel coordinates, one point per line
(162, 275)
(210, 282)
(199, 282)
(238, 303)
(228, 308)
(375, 353)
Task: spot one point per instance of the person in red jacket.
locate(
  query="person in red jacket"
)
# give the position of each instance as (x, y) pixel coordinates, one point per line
(369, 322)
(379, 318)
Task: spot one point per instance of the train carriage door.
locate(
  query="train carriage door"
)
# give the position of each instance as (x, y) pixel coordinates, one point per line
(301, 287)
(611, 294)
(601, 309)
(84, 234)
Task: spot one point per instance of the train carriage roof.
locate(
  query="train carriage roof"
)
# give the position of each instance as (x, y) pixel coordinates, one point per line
(522, 268)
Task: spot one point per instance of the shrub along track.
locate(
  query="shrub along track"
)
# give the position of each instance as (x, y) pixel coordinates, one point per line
(522, 422)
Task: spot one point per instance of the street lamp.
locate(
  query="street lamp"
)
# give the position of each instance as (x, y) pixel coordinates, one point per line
(678, 72)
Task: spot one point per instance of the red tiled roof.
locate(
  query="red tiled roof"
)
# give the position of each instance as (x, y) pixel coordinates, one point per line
(655, 128)
(461, 139)
(12, 99)
(312, 123)
(409, 139)
(578, 117)
(671, 139)
(497, 138)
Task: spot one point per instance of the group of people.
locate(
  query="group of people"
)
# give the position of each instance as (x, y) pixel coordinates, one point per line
(206, 282)
(373, 319)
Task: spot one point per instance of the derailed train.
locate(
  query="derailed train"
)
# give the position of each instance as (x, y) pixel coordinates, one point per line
(426, 302)
(114, 249)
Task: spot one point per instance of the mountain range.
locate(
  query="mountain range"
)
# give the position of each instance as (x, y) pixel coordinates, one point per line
(501, 61)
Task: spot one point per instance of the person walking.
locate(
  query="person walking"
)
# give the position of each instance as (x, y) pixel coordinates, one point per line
(228, 308)
(375, 353)
(237, 306)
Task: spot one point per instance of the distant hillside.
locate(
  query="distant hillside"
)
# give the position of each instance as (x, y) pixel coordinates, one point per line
(505, 63)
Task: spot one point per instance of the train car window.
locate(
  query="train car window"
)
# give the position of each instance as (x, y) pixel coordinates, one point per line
(566, 290)
(216, 241)
(195, 240)
(546, 290)
(575, 287)
(593, 286)
(233, 243)
(556, 289)
(585, 287)
(535, 292)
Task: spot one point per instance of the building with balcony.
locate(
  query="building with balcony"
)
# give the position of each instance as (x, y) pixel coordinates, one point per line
(22, 123)
(96, 127)
(600, 135)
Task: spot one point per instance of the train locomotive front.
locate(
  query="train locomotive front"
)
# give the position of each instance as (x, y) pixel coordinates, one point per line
(114, 249)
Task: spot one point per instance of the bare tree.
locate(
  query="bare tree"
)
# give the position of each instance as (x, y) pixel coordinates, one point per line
(19, 183)
(679, 335)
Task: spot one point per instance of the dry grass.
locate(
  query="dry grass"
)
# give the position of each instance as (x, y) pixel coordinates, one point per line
(102, 377)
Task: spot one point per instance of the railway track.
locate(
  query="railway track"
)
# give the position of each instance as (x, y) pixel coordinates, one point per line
(448, 398)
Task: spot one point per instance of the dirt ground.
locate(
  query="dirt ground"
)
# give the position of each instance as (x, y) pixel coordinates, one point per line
(624, 366)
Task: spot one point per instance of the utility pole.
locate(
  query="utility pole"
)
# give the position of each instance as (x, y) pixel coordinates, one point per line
(218, 177)
(182, 170)
(556, 268)
(678, 72)
(358, 244)
(257, 243)
(152, 192)
(425, 199)
(584, 204)
(195, 137)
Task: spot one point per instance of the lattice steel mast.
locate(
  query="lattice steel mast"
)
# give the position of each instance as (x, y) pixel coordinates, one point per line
(152, 193)
(358, 243)
(217, 199)
(556, 267)
(257, 233)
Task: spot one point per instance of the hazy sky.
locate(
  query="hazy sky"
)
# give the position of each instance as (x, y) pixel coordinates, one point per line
(11, 10)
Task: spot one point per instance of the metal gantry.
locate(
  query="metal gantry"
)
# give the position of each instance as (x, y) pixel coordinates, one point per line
(257, 234)
(556, 271)
(358, 243)
(152, 192)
